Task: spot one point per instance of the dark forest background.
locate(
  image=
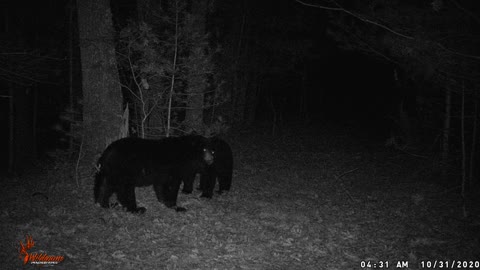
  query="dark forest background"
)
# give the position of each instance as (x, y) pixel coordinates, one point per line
(76, 76)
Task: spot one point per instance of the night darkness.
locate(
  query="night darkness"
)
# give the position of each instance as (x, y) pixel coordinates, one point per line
(353, 128)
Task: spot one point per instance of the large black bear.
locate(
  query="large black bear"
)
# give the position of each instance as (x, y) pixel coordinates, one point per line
(221, 169)
(133, 162)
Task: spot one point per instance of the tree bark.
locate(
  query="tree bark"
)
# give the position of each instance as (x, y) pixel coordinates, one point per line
(197, 81)
(11, 130)
(252, 99)
(474, 143)
(71, 32)
(102, 96)
(304, 93)
(446, 131)
(239, 89)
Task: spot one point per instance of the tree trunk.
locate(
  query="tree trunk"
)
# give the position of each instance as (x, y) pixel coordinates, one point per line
(304, 93)
(446, 132)
(71, 33)
(11, 130)
(241, 74)
(474, 143)
(34, 121)
(197, 81)
(464, 154)
(102, 96)
(252, 99)
(462, 141)
(241, 99)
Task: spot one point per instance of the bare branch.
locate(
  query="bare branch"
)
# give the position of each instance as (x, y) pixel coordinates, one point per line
(458, 53)
(358, 16)
(130, 90)
(318, 6)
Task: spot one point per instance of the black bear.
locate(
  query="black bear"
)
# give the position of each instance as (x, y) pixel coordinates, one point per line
(221, 169)
(133, 162)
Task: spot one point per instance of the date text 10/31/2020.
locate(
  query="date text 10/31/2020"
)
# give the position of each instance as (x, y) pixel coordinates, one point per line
(431, 264)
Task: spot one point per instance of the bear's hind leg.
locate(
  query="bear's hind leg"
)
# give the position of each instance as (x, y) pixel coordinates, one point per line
(171, 194)
(159, 189)
(126, 196)
(103, 191)
(188, 180)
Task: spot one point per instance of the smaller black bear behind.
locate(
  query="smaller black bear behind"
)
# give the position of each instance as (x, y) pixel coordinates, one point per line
(133, 162)
(221, 169)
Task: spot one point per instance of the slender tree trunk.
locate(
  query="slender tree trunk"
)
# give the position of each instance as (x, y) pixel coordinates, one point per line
(446, 132)
(197, 81)
(252, 99)
(11, 124)
(464, 151)
(241, 99)
(235, 94)
(70, 70)
(474, 142)
(34, 121)
(462, 139)
(304, 93)
(102, 98)
(240, 73)
(274, 112)
(174, 68)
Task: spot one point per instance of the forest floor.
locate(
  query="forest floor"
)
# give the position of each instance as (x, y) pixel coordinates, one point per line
(300, 200)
